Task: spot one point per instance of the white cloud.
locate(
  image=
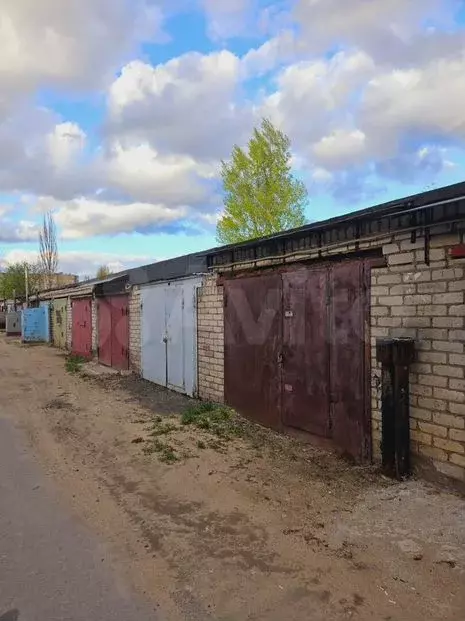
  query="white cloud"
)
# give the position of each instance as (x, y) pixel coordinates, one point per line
(388, 30)
(82, 217)
(186, 106)
(393, 91)
(282, 48)
(17, 231)
(81, 263)
(72, 43)
(426, 102)
(65, 142)
(312, 97)
(144, 174)
(340, 149)
(226, 18)
(39, 154)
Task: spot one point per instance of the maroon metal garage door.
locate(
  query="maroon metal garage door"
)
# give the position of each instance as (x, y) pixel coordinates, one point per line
(295, 351)
(349, 378)
(305, 351)
(253, 343)
(82, 327)
(113, 331)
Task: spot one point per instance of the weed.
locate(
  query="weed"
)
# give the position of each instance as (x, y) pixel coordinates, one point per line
(201, 444)
(166, 452)
(168, 456)
(216, 445)
(163, 430)
(216, 419)
(73, 363)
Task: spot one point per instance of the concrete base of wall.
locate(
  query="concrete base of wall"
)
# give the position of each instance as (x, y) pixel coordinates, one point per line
(439, 473)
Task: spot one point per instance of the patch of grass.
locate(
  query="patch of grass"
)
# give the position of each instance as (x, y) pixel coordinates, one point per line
(163, 430)
(166, 453)
(201, 444)
(217, 445)
(73, 363)
(218, 420)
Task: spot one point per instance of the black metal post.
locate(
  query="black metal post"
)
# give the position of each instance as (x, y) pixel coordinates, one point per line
(395, 355)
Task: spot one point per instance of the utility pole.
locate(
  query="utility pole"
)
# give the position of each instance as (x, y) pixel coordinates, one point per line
(26, 282)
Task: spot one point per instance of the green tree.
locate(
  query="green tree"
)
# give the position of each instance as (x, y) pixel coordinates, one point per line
(103, 272)
(13, 280)
(262, 196)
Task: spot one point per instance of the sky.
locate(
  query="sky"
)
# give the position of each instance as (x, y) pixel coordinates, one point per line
(115, 114)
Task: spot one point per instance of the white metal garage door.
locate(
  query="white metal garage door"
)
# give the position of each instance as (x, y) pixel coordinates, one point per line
(169, 334)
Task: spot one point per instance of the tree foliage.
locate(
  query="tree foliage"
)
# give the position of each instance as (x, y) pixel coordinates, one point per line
(13, 280)
(103, 272)
(262, 196)
(48, 250)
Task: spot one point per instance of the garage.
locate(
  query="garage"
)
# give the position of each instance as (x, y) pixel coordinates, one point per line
(113, 331)
(296, 354)
(168, 334)
(82, 327)
(59, 322)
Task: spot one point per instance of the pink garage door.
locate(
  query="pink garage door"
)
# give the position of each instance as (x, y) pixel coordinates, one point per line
(82, 328)
(113, 331)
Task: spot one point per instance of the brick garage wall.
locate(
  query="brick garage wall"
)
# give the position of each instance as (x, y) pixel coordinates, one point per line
(410, 298)
(69, 324)
(135, 330)
(94, 311)
(210, 340)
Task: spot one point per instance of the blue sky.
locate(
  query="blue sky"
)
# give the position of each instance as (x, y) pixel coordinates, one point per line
(115, 114)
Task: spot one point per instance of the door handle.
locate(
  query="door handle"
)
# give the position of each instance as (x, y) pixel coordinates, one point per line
(280, 358)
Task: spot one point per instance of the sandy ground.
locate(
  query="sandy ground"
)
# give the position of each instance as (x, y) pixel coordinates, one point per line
(267, 528)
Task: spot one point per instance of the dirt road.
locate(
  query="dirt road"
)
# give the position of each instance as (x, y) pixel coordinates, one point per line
(259, 528)
(51, 567)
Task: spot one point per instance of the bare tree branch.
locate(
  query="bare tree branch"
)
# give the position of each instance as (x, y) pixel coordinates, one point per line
(48, 250)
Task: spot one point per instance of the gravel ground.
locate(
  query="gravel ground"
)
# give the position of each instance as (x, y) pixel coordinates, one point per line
(256, 526)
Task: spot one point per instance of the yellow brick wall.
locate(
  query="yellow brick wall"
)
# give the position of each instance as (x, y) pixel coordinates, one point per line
(135, 330)
(210, 340)
(94, 311)
(410, 298)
